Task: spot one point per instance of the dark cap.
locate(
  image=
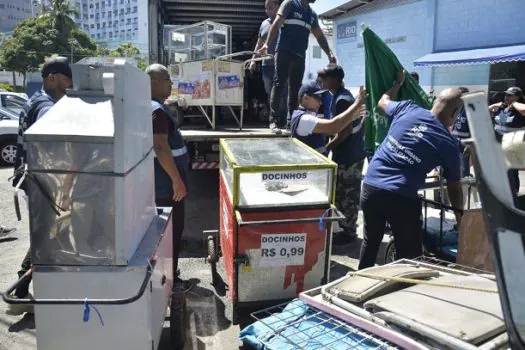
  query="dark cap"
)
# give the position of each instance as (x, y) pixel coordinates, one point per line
(57, 65)
(332, 70)
(514, 91)
(310, 89)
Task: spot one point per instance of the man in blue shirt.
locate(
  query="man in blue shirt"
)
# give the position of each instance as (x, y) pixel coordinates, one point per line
(268, 66)
(309, 128)
(57, 78)
(417, 142)
(348, 151)
(295, 20)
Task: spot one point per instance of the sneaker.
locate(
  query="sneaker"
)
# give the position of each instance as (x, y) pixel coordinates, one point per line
(20, 309)
(342, 238)
(4, 231)
(275, 129)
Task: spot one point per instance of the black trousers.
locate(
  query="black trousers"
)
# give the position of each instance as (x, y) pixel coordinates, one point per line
(401, 212)
(177, 218)
(289, 68)
(23, 290)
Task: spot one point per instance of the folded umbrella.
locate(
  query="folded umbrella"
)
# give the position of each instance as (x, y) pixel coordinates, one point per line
(381, 66)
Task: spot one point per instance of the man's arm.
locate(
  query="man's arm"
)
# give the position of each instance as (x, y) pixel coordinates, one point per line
(163, 152)
(258, 46)
(519, 107)
(321, 39)
(335, 125)
(455, 194)
(390, 95)
(272, 33)
(493, 108)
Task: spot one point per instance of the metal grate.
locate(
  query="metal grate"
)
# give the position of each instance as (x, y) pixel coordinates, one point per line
(298, 326)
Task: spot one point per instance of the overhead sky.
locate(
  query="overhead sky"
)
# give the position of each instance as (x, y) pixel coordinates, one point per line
(321, 6)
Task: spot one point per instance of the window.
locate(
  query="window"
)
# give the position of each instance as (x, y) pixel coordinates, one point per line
(92, 26)
(316, 52)
(134, 9)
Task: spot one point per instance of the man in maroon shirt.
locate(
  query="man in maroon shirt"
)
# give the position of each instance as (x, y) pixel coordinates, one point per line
(171, 158)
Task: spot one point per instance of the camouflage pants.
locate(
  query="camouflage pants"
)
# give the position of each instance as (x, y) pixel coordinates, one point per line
(348, 193)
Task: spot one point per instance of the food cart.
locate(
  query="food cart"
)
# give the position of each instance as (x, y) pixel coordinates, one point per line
(276, 210)
(101, 254)
(203, 71)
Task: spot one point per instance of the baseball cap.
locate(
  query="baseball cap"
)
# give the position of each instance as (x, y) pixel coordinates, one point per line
(57, 65)
(514, 91)
(310, 89)
(332, 70)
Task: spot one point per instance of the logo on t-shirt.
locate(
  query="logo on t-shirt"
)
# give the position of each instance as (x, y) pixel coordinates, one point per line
(418, 131)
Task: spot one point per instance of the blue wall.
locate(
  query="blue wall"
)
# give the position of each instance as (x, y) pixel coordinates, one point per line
(467, 24)
(412, 19)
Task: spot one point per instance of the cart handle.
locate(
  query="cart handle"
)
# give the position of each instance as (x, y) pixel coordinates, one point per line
(338, 217)
(439, 205)
(246, 53)
(35, 301)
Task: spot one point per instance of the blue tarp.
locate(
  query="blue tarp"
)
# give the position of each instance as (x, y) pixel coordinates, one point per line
(299, 326)
(478, 56)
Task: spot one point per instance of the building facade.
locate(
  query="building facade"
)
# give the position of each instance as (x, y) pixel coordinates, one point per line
(315, 58)
(112, 22)
(14, 11)
(479, 44)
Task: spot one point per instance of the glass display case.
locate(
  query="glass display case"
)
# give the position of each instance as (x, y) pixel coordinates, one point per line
(275, 173)
(199, 41)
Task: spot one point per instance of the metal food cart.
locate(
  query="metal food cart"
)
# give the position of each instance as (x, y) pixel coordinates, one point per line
(203, 71)
(276, 211)
(101, 254)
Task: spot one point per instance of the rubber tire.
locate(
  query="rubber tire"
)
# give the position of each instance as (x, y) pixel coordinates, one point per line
(179, 115)
(4, 144)
(213, 258)
(390, 252)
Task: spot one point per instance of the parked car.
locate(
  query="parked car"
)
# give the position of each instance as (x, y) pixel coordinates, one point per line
(13, 101)
(8, 134)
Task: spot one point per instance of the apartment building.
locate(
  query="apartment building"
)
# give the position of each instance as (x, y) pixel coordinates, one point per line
(14, 11)
(112, 22)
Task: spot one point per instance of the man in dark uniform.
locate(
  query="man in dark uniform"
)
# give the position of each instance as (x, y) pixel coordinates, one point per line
(509, 116)
(57, 77)
(171, 159)
(461, 130)
(417, 142)
(295, 20)
(312, 130)
(268, 66)
(348, 151)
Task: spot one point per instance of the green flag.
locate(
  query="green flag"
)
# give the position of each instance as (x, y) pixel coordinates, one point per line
(381, 66)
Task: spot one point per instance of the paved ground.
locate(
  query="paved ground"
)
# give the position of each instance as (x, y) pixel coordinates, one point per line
(209, 309)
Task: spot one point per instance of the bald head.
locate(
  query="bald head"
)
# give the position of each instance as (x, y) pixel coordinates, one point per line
(448, 105)
(160, 81)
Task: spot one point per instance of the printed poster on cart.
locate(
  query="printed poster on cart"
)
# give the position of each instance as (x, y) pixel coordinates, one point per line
(202, 86)
(229, 82)
(282, 249)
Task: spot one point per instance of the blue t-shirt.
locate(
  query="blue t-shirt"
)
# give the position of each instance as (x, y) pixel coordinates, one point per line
(299, 20)
(264, 29)
(415, 144)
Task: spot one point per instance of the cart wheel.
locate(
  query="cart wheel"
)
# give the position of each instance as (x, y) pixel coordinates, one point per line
(178, 318)
(213, 258)
(390, 252)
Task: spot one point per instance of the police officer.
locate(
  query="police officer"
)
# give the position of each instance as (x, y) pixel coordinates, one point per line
(417, 142)
(509, 116)
(461, 130)
(57, 77)
(348, 151)
(295, 20)
(309, 128)
(171, 159)
(268, 66)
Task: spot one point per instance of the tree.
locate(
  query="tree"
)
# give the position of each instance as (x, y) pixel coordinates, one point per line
(34, 39)
(129, 50)
(61, 12)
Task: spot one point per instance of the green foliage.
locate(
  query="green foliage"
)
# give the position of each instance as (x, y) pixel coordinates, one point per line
(6, 87)
(34, 39)
(129, 50)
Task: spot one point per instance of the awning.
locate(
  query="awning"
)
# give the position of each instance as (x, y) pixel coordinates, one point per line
(478, 56)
